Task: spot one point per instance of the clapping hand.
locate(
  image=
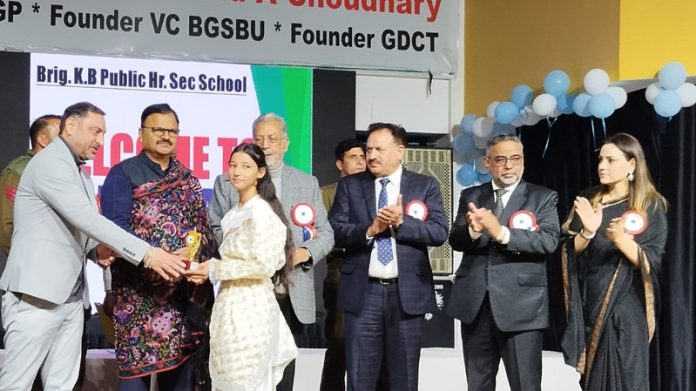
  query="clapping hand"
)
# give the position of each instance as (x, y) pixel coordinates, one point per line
(473, 220)
(591, 217)
(484, 219)
(387, 216)
(392, 215)
(615, 230)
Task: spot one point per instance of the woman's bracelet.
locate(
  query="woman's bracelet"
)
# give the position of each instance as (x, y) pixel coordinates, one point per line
(586, 237)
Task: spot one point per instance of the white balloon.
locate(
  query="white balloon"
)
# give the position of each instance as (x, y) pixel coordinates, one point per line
(618, 95)
(596, 81)
(529, 117)
(490, 111)
(483, 126)
(488, 126)
(687, 93)
(652, 91)
(480, 142)
(544, 104)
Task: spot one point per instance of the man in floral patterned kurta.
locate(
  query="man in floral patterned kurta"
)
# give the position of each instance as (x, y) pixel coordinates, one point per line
(156, 198)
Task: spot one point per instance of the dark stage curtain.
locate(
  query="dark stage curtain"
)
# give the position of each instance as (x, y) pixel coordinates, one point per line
(568, 165)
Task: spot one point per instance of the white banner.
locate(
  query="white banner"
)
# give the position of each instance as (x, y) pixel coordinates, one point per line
(408, 35)
(216, 105)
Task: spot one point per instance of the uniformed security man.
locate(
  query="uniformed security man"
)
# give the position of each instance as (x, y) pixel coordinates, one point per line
(42, 132)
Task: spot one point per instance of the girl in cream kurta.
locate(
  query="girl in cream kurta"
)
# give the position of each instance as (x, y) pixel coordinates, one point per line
(250, 341)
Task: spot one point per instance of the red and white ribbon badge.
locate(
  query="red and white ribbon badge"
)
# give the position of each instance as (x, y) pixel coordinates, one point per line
(417, 209)
(634, 222)
(523, 219)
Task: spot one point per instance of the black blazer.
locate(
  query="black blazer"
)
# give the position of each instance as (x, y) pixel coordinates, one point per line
(514, 275)
(352, 213)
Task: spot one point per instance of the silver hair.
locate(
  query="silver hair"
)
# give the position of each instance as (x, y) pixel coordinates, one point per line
(271, 117)
(499, 138)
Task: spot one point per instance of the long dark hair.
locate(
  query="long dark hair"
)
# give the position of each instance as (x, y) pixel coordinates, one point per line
(266, 190)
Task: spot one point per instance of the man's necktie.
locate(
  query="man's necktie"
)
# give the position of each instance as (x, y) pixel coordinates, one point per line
(384, 248)
(499, 202)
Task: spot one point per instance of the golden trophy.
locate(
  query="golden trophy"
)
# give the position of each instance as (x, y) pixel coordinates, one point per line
(193, 243)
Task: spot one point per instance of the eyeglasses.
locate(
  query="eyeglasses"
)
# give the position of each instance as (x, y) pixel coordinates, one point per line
(159, 132)
(271, 140)
(500, 161)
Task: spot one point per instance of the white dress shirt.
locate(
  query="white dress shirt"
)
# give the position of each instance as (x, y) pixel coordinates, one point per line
(378, 269)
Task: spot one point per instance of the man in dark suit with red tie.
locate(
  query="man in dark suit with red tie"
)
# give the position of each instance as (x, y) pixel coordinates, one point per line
(505, 229)
(386, 281)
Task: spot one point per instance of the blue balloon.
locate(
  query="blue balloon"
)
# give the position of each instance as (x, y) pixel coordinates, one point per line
(462, 143)
(483, 178)
(581, 104)
(466, 175)
(556, 83)
(564, 103)
(672, 75)
(522, 95)
(467, 123)
(506, 112)
(667, 103)
(602, 105)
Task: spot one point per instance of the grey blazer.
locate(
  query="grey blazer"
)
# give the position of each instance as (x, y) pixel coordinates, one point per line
(56, 224)
(297, 187)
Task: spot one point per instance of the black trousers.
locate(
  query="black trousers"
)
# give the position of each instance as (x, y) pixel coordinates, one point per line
(334, 370)
(484, 345)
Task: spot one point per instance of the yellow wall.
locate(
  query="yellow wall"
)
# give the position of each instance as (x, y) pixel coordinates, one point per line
(514, 42)
(654, 32)
(518, 42)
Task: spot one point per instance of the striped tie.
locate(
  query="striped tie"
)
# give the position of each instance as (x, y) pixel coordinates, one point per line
(384, 247)
(499, 202)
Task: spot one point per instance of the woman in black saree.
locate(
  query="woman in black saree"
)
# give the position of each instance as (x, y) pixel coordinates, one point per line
(610, 276)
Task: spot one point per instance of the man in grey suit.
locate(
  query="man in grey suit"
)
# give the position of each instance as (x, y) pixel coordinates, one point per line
(293, 187)
(57, 226)
(506, 229)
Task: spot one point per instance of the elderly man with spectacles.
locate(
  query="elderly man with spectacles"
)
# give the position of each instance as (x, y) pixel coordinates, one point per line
(312, 243)
(505, 229)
